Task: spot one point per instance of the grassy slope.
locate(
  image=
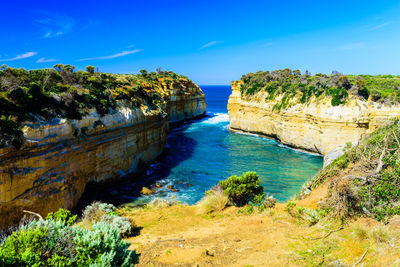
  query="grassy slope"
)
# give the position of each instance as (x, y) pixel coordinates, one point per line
(366, 179)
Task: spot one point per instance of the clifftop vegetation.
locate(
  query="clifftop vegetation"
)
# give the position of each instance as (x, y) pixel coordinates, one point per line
(291, 83)
(62, 92)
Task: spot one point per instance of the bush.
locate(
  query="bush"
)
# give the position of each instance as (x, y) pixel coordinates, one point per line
(102, 246)
(54, 242)
(214, 200)
(304, 86)
(95, 211)
(125, 226)
(244, 189)
(269, 202)
(62, 215)
(23, 248)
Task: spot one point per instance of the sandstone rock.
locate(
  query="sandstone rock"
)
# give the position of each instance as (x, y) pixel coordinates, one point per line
(146, 191)
(316, 126)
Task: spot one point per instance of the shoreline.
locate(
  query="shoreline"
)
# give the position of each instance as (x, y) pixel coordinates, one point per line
(275, 139)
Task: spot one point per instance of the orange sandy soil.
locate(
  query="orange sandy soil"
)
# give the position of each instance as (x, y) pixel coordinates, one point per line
(179, 236)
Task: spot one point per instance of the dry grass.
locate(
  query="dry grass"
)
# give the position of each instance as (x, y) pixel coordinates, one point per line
(214, 201)
(379, 235)
(180, 235)
(158, 203)
(360, 232)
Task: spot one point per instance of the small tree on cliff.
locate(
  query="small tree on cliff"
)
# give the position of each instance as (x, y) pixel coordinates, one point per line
(90, 69)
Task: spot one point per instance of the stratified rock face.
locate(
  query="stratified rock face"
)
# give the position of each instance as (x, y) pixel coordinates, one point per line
(316, 126)
(185, 101)
(60, 157)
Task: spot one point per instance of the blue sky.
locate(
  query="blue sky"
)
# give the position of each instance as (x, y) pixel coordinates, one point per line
(211, 42)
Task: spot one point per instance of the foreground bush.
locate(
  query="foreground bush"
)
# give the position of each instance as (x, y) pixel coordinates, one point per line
(214, 200)
(244, 189)
(55, 242)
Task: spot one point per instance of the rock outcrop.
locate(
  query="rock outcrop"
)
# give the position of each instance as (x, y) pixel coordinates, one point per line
(316, 126)
(61, 156)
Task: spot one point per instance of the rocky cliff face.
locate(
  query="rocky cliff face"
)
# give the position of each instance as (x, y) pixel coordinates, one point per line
(316, 126)
(61, 156)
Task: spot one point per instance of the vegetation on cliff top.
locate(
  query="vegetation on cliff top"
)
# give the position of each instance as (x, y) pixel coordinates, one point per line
(62, 92)
(291, 83)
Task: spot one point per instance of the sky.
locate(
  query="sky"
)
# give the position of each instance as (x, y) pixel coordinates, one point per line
(211, 42)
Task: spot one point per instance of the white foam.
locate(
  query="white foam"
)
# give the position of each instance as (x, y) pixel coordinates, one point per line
(218, 118)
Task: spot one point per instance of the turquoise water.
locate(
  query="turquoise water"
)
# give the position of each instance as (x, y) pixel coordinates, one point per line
(202, 152)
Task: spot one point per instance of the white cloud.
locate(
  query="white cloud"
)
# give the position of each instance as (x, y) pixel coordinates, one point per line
(266, 44)
(54, 24)
(380, 26)
(352, 46)
(121, 54)
(210, 44)
(22, 56)
(43, 60)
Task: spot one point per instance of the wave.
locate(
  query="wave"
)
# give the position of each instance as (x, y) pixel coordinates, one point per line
(217, 118)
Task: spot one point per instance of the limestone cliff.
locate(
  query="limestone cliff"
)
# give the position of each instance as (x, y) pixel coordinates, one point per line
(315, 126)
(61, 156)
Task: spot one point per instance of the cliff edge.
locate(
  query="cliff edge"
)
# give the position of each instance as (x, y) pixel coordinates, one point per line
(46, 161)
(310, 113)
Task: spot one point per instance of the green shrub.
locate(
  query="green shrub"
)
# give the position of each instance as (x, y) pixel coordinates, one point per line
(55, 243)
(102, 246)
(244, 189)
(125, 226)
(289, 206)
(24, 247)
(95, 211)
(379, 87)
(62, 215)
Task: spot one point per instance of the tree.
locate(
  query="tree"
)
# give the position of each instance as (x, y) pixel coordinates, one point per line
(58, 67)
(90, 69)
(144, 73)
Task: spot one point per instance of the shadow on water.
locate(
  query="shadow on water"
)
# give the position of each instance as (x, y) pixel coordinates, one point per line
(129, 187)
